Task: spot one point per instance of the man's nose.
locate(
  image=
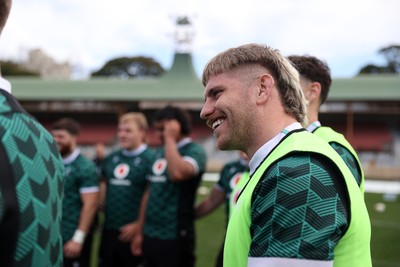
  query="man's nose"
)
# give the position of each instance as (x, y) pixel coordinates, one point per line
(206, 110)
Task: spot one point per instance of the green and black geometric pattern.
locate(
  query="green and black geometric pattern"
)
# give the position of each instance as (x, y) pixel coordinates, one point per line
(123, 200)
(170, 208)
(296, 210)
(349, 159)
(38, 173)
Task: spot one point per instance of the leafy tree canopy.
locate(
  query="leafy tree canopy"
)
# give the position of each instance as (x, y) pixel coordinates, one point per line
(372, 69)
(392, 56)
(10, 68)
(126, 67)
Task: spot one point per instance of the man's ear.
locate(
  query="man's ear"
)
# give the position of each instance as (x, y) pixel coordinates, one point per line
(265, 85)
(314, 92)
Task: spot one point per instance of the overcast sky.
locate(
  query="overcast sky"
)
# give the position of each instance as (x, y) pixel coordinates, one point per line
(345, 33)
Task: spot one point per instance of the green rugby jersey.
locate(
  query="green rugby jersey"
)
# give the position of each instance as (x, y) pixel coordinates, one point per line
(125, 175)
(350, 161)
(229, 178)
(339, 143)
(170, 208)
(80, 177)
(31, 186)
(280, 203)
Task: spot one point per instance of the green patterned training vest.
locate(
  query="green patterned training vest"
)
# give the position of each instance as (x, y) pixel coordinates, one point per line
(352, 250)
(31, 186)
(332, 137)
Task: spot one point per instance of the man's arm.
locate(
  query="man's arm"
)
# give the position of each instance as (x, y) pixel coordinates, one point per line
(73, 247)
(178, 168)
(209, 204)
(136, 245)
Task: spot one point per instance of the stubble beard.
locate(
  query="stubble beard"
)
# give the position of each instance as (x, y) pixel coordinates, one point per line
(232, 139)
(240, 133)
(237, 135)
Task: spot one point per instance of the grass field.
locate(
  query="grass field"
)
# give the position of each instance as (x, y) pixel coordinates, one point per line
(385, 243)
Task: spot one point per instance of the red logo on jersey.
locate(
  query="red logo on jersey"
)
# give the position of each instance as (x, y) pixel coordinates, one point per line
(235, 180)
(121, 171)
(159, 166)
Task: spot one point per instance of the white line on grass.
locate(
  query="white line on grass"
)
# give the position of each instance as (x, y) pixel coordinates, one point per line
(386, 224)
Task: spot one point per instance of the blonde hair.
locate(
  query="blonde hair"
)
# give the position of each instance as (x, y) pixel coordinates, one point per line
(135, 117)
(286, 76)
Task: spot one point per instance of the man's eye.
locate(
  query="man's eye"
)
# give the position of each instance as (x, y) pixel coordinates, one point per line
(216, 93)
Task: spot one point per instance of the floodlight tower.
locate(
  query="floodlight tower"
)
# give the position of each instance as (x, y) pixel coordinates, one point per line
(184, 34)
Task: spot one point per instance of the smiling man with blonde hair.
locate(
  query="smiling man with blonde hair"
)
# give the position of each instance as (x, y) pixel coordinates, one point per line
(301, 205)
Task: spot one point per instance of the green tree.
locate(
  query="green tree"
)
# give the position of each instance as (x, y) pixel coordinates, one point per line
(392, 56)
(126, 67)
(11, 68)
(372, 69)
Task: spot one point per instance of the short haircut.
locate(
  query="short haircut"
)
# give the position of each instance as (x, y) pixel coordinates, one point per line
(285, 75)
(315, 70)
(68, 124)
(182, 116)
(135, 117)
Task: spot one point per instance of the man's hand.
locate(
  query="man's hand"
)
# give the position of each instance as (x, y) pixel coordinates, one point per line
(172, 129)
(72, 249)
(128, 231)
(136, 245)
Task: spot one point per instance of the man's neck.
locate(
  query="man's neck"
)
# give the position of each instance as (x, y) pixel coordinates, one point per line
(312, 116)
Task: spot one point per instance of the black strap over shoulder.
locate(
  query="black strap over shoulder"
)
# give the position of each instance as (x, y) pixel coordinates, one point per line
(9, 225)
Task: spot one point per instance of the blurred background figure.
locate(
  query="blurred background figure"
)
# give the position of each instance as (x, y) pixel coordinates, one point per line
(124, 174)
(169, 234)
(315, 81)
(81, 195)
(31, 184)
(229, 178)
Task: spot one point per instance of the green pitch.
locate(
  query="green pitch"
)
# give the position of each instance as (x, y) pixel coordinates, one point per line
(385, 221)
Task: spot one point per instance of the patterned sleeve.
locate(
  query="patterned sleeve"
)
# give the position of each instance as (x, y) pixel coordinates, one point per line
(297, 212)
(196, 155)
(89, 178)
(349, 159)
